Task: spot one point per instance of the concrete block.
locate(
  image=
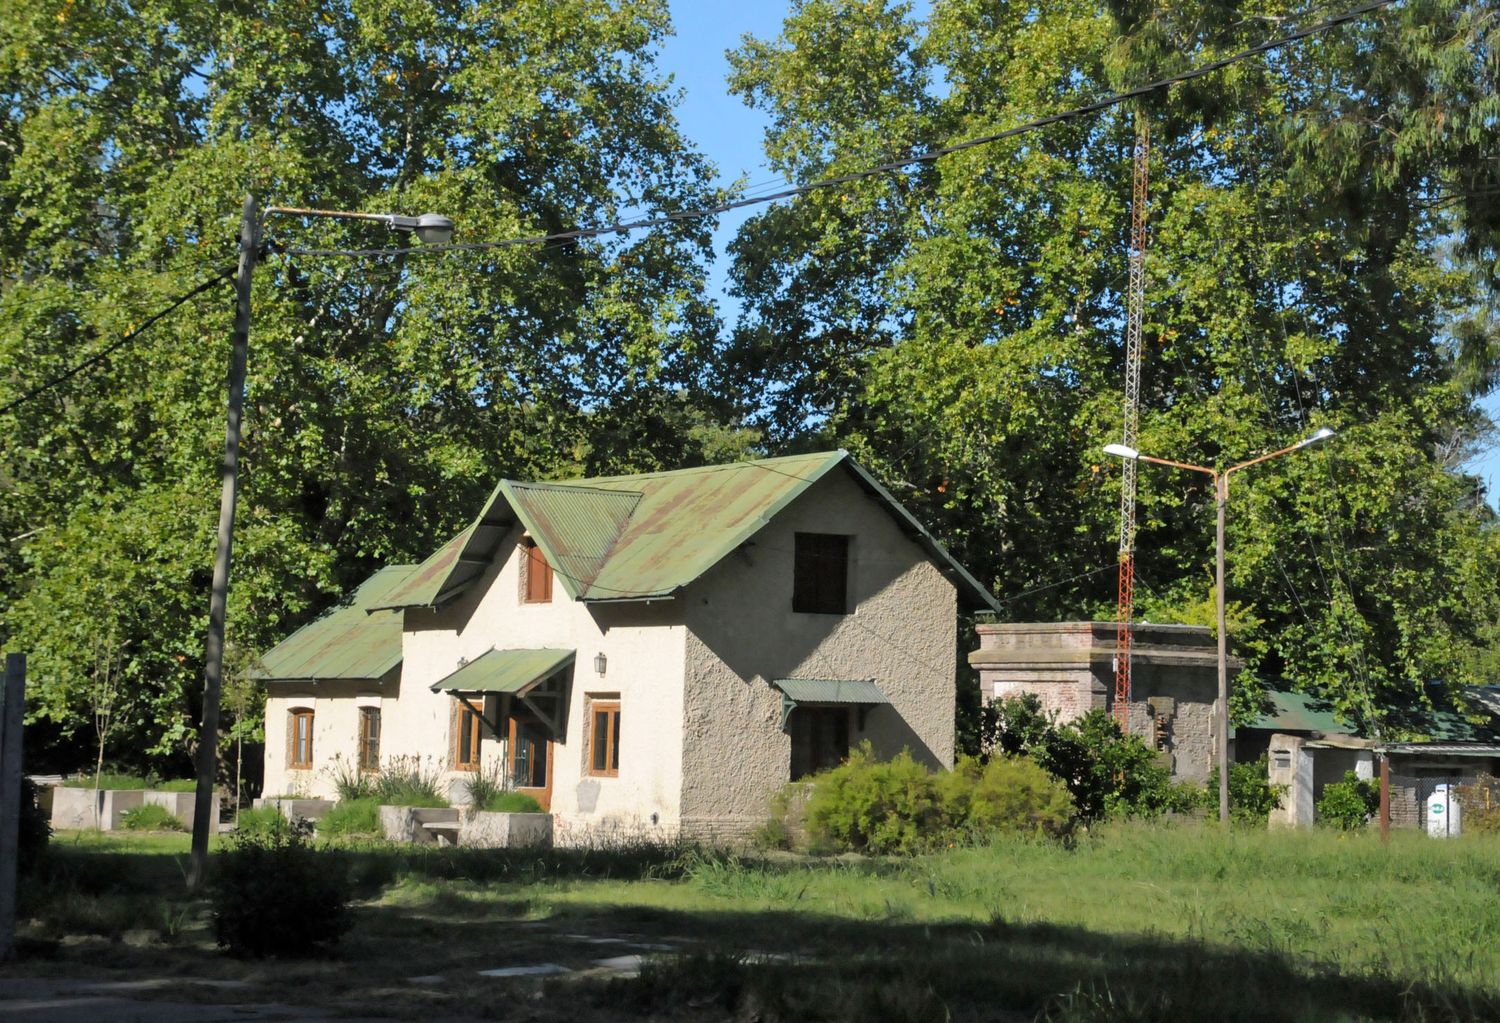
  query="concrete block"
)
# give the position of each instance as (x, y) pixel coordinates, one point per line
(291, 809)
(490, 830)
(406, 823)
(74, 809)
(181, 805)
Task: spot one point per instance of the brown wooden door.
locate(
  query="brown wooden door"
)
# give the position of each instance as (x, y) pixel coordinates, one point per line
(531, 757)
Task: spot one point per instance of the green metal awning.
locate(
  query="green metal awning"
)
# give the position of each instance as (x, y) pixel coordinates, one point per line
(505, 671)
(862, 693)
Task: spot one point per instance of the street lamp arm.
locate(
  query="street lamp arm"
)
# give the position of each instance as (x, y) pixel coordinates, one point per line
(1322, 434)
(383, 218)
(1189, 466)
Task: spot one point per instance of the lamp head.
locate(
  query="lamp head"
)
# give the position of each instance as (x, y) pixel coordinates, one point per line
(1323, 433)
(1121, 450)
(434, 229)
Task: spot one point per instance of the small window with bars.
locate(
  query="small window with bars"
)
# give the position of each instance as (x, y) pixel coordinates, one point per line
(820, 574)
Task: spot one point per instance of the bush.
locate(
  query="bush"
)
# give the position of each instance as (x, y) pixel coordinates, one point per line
(273, 896)
(352, 817)
(1252, 797)
(406, 781)
(898, 806)
(35, 831)
(1348, 804)
(511, 802)
(1011, 794)
(175, 785)
(868, 806)
(349, 782)
(108, 780)
(267, 824)
(150, 818)
(1108, 773)
(1481, 803)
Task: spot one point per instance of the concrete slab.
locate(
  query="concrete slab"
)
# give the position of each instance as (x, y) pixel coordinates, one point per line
(622, 964)
(537, 970)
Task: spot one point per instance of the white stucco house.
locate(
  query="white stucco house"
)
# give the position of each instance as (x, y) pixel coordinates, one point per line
(656, 653)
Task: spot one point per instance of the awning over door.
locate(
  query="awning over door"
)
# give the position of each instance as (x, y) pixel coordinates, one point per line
(506, 671)
(852, 692)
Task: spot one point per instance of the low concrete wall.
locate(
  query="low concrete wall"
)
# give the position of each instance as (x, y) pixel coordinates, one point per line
(405, 823)
(291, 809)
(181, 804)
(75, 809)
(491, 830)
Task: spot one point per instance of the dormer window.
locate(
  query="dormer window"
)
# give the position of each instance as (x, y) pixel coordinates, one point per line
(820, 574)
(536, 584)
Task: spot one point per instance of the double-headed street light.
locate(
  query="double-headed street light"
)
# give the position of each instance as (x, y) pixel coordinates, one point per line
(431, 229)
(1221, 500)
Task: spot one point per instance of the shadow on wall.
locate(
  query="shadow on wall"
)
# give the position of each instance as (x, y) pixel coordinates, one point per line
(793, 649)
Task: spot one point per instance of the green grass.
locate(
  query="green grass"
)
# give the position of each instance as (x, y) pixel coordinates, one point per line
(511, 802)
(351, 817)
(1131, 923)
(116, 780)
(150, 818)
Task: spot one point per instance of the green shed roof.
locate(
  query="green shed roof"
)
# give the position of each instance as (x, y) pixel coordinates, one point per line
(504, 671)
(346, 642)
(830, 690)
(649, 535)
(1298, 712)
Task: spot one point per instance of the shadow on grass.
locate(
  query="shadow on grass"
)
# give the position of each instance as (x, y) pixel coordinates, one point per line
(768, 965)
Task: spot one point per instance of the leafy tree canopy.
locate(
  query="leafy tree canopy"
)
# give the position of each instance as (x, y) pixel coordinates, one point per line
(1324, 225)
(385, 395)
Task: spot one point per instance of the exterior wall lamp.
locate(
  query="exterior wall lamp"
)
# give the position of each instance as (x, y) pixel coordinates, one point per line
(600, 663)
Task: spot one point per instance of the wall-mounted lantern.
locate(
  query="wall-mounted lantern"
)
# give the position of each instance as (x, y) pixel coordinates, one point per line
(600, 663)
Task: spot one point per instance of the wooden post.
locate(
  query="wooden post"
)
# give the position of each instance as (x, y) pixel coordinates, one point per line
(1385, 797)
(12, 703)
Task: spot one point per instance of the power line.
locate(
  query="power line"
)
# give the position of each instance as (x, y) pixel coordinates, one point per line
(120, 342)
(681, 216)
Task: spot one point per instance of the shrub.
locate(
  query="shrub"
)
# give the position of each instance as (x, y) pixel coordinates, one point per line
(1481, 803)
(272, 895)
(406, 781)
(900, 807)
(268, 823)
(1016, 794)
(1348, 804)
(1108, 773)
(150, 818)
(352, 817)
(108, 780)
(349, 782)
(176, 785)
(1252, 797)
(868, 806)
(35, 830)
(511, 802)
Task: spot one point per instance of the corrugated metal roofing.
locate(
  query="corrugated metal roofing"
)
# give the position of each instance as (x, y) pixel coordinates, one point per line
(1298, 712)
(504, 671)
(677, 526)
(830, 690)
(346, 642)
(1446, 749)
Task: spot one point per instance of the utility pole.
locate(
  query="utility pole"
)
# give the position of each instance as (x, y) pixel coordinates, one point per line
(205, 815)
(12, 704)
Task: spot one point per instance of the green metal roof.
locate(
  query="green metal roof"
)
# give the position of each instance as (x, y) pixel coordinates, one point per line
(649, 535)
(830, 690)
(346, 642)
(504, 671)
(1298, 712)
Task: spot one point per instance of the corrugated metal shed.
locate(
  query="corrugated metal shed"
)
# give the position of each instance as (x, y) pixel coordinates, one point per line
(346, 642)
(830, 690)
(505, 671)
(665, 530)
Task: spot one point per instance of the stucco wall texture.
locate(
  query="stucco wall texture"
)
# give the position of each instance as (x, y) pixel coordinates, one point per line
(702, 749)
(742, 633)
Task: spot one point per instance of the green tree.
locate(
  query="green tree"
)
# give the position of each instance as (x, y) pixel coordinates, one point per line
(386, 395)
(1324, 225)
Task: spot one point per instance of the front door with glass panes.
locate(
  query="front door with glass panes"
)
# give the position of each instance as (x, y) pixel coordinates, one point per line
(531, 757)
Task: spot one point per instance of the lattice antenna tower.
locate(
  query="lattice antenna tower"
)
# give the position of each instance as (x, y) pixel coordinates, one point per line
(1135, 300)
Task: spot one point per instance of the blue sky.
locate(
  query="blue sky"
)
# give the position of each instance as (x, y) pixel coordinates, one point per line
(730, 133)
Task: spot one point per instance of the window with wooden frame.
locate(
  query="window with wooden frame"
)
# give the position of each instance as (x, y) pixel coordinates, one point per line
(466, 738)
(536, 586)
(369, 738)
(820, 574)
(603, 755)
(299, 738)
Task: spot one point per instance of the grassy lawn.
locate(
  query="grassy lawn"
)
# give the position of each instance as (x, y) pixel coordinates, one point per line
(1147, 923)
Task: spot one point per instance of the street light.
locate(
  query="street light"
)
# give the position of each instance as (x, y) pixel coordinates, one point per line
(1221, 501)
(430, 228)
